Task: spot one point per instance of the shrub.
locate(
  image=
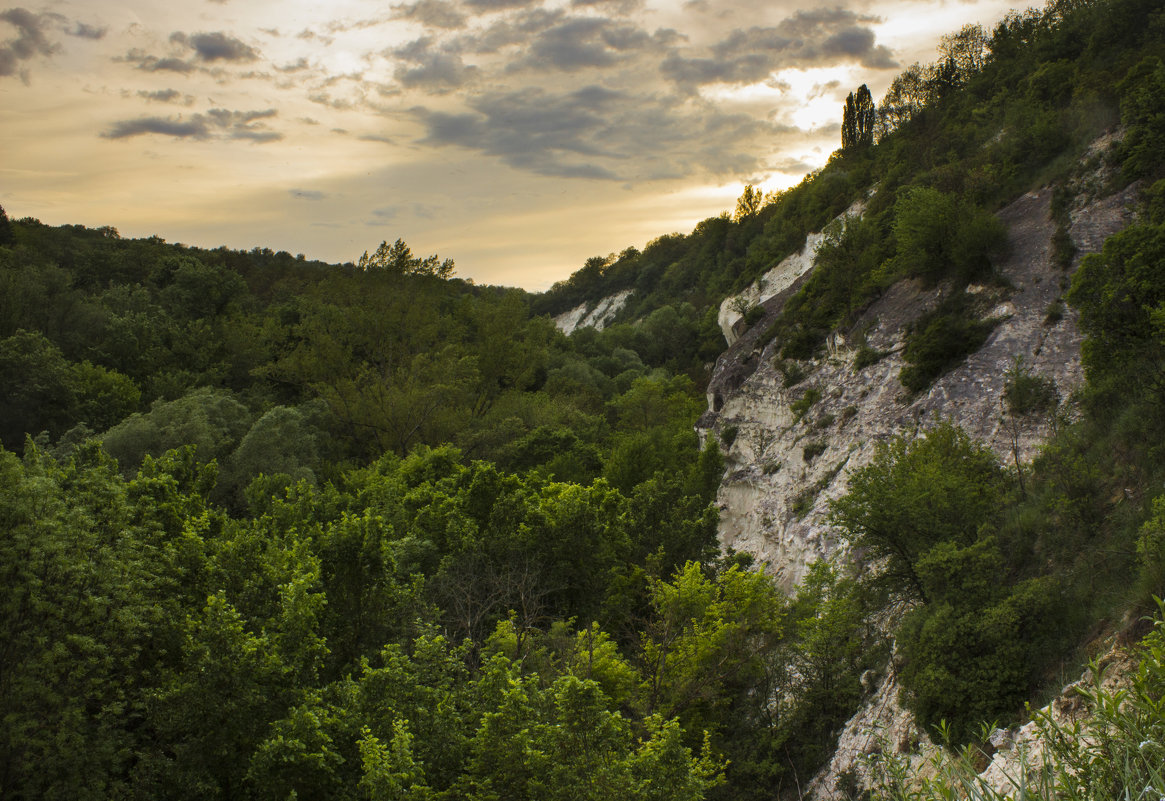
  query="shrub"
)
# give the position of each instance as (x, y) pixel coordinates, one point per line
(940, 341)
(791, 372)
(813, 450)
(728, 435)
(802, 405)
(1027, 393)
(867, 356)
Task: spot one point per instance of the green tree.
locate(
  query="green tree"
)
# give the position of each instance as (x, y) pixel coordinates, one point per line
(398, 259)
(858, 119)
(7, 237)
(915, 494)
(749, 203)
(39, 388)
(1122, 307)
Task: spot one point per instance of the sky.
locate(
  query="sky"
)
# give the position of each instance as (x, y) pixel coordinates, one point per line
(517, 137)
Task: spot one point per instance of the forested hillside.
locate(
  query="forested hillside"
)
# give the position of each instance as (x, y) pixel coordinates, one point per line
(274, 528)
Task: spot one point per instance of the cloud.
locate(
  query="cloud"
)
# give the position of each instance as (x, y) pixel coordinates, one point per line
(31, 40)
(580, 42)
(432, 13)
(215, 124)
(816, 37)
(599, 133)
(388, 213)
(166, 96)
(83, 31)
(489, 6)
(307, 194)
(299, 64)
(515, 29)
(435, 71)
(619, 7)
(309, 35)
(216, 46)
(150, 63)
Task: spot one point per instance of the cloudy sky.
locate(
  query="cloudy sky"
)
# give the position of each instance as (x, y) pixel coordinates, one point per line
(518, 137)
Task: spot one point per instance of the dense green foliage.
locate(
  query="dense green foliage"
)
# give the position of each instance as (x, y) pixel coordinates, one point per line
(274, 528)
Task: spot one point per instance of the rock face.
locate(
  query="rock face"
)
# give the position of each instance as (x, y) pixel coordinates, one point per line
(776, 280)
(583, 316)
(797, 440)
(799, 434)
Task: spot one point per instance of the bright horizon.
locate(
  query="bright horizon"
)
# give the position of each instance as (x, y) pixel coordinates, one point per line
(517, 137)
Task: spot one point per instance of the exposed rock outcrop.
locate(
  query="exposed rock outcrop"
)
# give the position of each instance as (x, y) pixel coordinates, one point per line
(583, 316)
(776, 280)
(798, 440)
(801, 432)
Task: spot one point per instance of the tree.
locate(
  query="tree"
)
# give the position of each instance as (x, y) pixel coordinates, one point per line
(858, 119)
(1121, 299)
(966, 49)
(749, 203)
(915, 494)
(6, 235)
(397, 258)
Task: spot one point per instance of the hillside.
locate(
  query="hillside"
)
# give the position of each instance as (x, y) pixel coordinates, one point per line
(881, 450)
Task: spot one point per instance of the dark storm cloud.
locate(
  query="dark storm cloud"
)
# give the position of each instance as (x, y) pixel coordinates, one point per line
(433, 13)
(819, 36)
(600, 134)
(216, 46)
(217, 123)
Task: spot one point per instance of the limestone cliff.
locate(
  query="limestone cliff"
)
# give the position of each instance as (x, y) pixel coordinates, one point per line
(800, 434)
(596, 316)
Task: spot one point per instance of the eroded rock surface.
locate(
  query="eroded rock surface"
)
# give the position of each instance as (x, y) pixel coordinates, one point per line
(583, 316)
(797, 443)
(776, 280)
(792, 454)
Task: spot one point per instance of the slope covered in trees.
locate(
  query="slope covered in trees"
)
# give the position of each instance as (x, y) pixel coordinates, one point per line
(274, 527)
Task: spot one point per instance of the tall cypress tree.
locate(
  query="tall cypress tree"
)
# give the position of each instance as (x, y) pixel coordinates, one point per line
(858, 118)
(849, 123)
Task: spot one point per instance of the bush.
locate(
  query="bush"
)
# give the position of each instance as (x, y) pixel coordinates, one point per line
(940, 341)
(813, 450)
(867, 356)
(728, 435)
(802, 405)
(1027, 393)
(937, 235)
(791, 372)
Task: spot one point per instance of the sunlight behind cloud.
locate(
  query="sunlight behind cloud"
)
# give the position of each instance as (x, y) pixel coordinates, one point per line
(493, 133)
